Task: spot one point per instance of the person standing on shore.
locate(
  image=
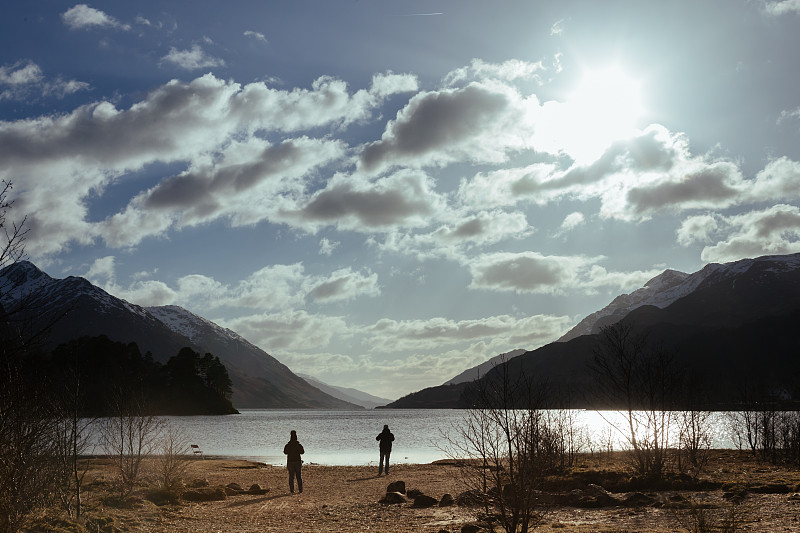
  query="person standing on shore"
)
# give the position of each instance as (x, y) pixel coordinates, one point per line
(385, 438)
(294, 463)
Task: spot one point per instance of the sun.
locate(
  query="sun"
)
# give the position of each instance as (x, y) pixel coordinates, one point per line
(605, 106)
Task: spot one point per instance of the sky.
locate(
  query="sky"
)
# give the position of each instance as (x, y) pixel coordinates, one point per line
(384, 193)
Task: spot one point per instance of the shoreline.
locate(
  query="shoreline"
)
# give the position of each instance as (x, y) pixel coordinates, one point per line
(347, 499)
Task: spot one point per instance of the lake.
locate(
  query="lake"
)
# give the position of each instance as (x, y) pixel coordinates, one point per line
(348, 437)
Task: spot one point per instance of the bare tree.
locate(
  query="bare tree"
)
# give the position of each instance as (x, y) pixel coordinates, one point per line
(128, 437)
(172, 459)
(507, 444)
(642, 382)
(72, 440)
(27, 471)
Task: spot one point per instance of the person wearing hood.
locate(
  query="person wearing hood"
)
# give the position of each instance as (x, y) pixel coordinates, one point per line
(294, 463)
(385, 438)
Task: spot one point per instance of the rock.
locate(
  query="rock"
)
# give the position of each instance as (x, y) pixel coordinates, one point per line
(471, 528)
(470, 498)
(235, 486)
(638, 499)
(735, 496)
(397, 486)
(393, 497)
(423, 500)
(255, 488)
(592, 496)
(413, 493)
(197, 483)
(205, 494)
(447, 500)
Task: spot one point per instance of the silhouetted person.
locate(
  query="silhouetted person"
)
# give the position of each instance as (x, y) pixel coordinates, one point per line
(294, 463)
(385, 438)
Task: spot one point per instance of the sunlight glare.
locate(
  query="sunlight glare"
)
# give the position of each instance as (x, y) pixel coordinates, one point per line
(604, 107)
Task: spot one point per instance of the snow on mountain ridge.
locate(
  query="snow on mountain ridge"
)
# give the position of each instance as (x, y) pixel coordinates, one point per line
(188, 324)
(672, 285)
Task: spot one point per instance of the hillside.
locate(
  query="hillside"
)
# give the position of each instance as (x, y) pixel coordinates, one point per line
(74, 308)
(732, 327)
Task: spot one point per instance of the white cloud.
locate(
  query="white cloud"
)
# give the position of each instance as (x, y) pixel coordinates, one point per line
(59, 162)
(342, 285)
(326, 246)
(24, 79)
(782, 7)
(193, 59)
(460, 232)
(698, 228)
(511, 70)
(258, 36)
(572, 221)
(81, 16)
(775, 230)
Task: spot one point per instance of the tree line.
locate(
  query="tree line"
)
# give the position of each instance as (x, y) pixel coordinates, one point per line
(187, 384)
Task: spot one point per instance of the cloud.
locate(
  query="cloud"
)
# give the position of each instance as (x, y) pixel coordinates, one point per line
(256, 35)
(326, 246)
(461, 232)
(25, 78)
(479, 70)
(81, 16)
(405, 198)
(698, 228)
(572, 221)
(343, 285)
(525, 272)
(271, 287)
(532, 272)
(60, 162)
(288, 331)
(193, 59)
(782, 7)
(480, 122)
(775, 230)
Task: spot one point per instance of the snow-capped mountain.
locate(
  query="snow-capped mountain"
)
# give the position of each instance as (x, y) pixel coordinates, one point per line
(731, 326)
(72, 307)
(671, 285)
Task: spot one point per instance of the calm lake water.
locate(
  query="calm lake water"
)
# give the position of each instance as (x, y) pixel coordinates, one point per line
(348, 437)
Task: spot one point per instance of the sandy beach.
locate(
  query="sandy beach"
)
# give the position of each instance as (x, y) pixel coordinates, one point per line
(740, 494)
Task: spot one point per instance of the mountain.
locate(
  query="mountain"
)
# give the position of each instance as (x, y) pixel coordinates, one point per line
(72, 307)
(731, 326)
(471, 374)
(365, 400)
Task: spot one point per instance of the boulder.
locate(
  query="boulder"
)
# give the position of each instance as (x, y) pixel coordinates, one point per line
(413, 493)
(423, 500)
(638, 499)
(447, 500)
(255, 488)
(397, 486)
(393, 497)
(470, 498)
(205, 494)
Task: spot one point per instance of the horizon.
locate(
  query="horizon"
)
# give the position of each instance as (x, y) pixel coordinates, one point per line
(382, 196)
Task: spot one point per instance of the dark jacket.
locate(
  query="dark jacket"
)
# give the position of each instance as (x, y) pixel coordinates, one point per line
(385, 437)
(293, 451)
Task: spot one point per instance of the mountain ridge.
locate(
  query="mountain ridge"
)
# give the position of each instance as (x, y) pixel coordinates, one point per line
(731, 323)
(259, 380)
